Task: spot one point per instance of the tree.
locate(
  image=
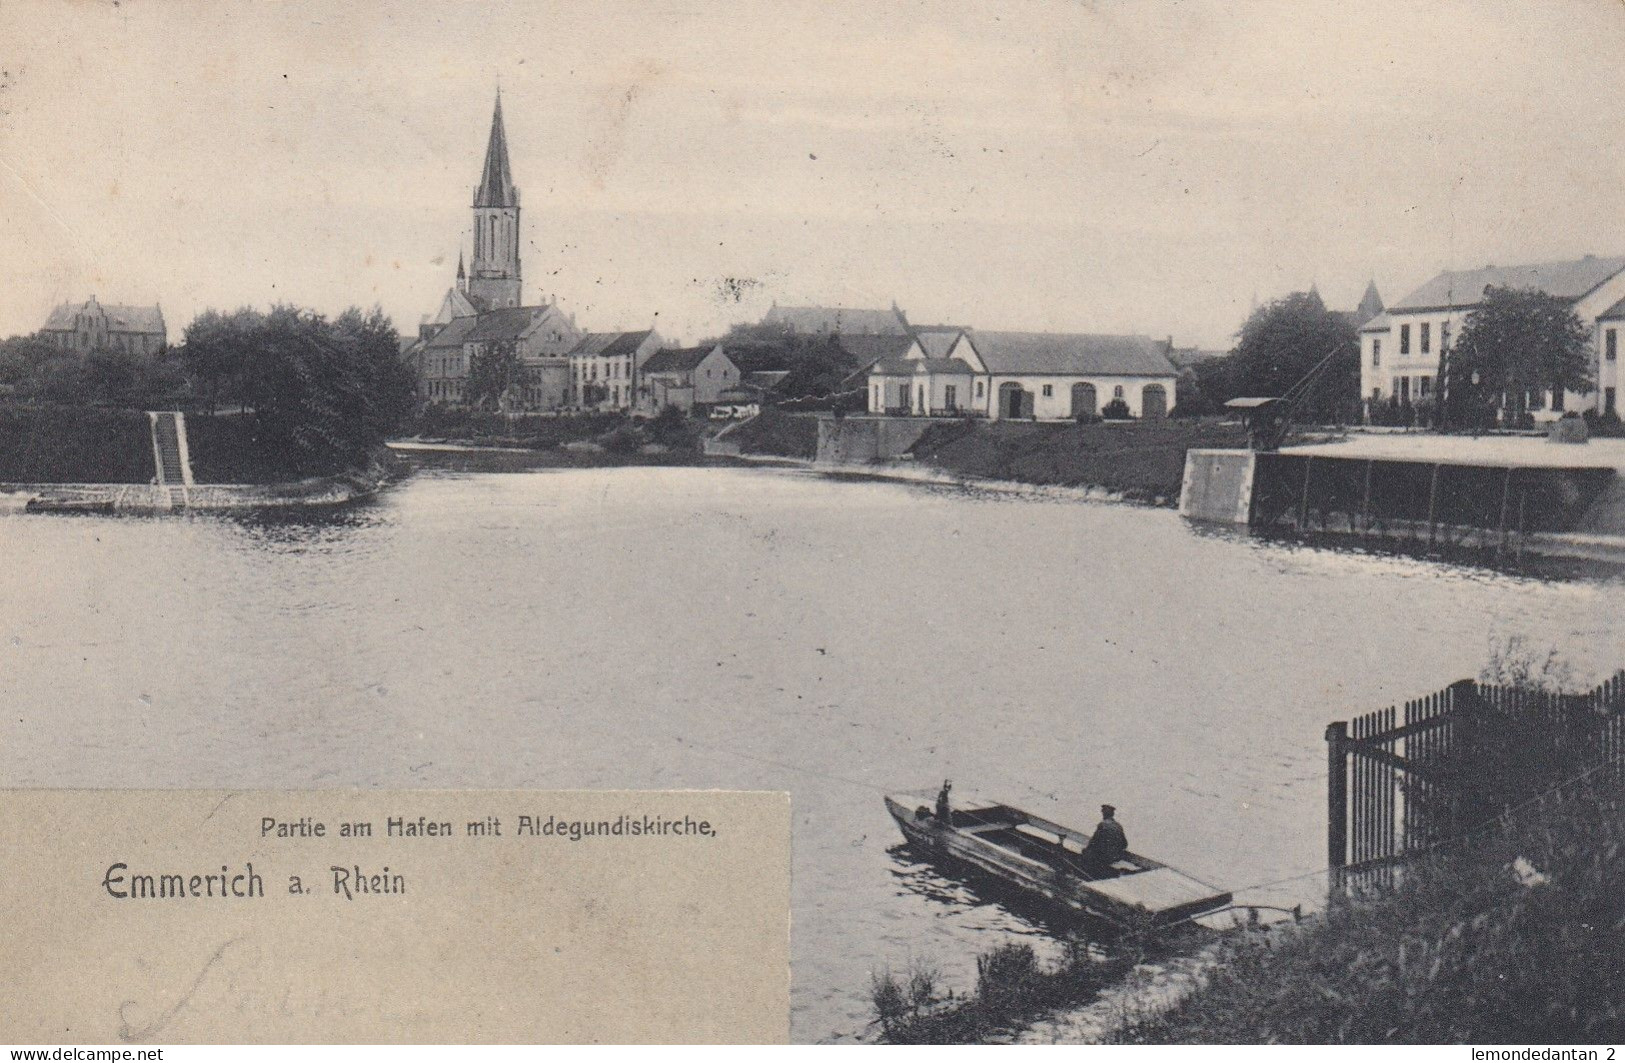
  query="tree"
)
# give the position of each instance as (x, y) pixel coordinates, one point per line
(218, 351)
(1280, 343)
(322, 392)
(1516, 341)
(491, 372)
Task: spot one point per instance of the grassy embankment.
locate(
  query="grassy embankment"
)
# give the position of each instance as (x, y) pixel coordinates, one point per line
(577, 439)
(74, 444)
(1142, 460)
(787, 435)
(1013, 987)
(1511, 937)
(92, 445)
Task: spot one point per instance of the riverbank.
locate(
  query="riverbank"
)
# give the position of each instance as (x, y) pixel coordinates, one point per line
(1513, 939)
(338, 489)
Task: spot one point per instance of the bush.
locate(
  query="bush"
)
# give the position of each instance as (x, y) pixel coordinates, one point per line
(74, 444)
(624, 440)
(1115, 410)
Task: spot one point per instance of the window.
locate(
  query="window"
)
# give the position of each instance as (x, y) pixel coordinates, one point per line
(1376, 353)
(1117, 392)
(1612, 344)
(1404, 339)
(1427, 337)
(950, 396)
(1607, 401)
(1376, 394)
(1404, 389)
(1049, 390)
(978, 389)
(1557, 400)
(1424, 384)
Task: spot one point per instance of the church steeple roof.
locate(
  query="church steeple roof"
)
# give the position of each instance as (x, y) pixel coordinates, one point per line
(496, 182)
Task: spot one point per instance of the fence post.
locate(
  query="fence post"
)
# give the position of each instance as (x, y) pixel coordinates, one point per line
(1337, 798)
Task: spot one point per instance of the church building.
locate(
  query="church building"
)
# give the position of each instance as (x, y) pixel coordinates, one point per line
(484, 312)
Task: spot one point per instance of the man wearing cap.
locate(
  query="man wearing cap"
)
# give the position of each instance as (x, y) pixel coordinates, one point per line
(1107, 845)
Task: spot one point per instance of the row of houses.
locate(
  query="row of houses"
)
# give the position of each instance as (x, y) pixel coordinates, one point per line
(907, 369)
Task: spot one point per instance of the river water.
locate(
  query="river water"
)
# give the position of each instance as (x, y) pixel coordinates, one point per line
(754, 628)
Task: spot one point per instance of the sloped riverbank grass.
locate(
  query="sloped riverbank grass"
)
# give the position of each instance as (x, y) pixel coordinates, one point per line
(1013, 987)
(1144, 460)
(1514, 936)
(74, 444)
(787, 435)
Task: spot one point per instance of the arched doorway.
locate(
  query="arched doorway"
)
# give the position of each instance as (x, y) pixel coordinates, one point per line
(1014, 403)
(1153, 401)
(1084, 400)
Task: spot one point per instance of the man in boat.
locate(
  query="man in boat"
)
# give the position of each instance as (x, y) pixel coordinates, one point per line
(944, 811)
(1107, 845)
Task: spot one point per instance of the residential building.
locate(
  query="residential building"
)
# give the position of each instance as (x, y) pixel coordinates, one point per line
(93, 326)
(1400, 349)
(604, 367)
(685, 377)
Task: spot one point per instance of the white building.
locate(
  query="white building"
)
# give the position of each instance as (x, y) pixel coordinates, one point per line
(1400, 348)
(1045, 376)
(604, 367)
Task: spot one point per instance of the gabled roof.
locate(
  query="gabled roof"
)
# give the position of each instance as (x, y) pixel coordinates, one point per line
(454, 334)
(1566, 280)
(454, 305)
(120, 318)
(509, 323)
(866, 347)
(936, 343)
(496, 182)
(837, 319)
(1613, 312)
(610, 344)
(1072, 353)
(678, 359)
(1381, 323)
(922, 366)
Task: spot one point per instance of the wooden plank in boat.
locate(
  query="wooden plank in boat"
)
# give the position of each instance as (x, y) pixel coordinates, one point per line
(1156, 890)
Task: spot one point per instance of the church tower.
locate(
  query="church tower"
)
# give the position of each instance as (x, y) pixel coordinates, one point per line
(493, 279)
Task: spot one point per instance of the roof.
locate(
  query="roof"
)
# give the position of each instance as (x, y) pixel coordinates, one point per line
(1566, 280)
(931, 366)
(496, 181)
(766, 378)
(936, 343)
(837, 319)
(678, 359)
(1381, 323)
(866, 347)
(1072, 353)
(1615, 311)
(120, 318)
(610, 344)
(454, 334)
(509, 323)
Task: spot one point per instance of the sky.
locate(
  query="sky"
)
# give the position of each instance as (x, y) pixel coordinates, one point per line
(1138, 167)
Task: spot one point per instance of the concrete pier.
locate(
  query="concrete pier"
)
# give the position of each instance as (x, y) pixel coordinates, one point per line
(1426, 492)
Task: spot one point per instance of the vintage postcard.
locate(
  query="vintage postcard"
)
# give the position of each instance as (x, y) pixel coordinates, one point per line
(1112, 511)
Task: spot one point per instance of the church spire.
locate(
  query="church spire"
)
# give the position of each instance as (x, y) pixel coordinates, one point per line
(496, 182)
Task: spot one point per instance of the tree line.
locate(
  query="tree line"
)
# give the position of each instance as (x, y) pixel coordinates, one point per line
(319, 392)
(1514, 345)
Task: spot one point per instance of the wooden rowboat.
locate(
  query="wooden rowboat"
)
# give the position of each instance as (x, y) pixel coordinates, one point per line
(1044, 858)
